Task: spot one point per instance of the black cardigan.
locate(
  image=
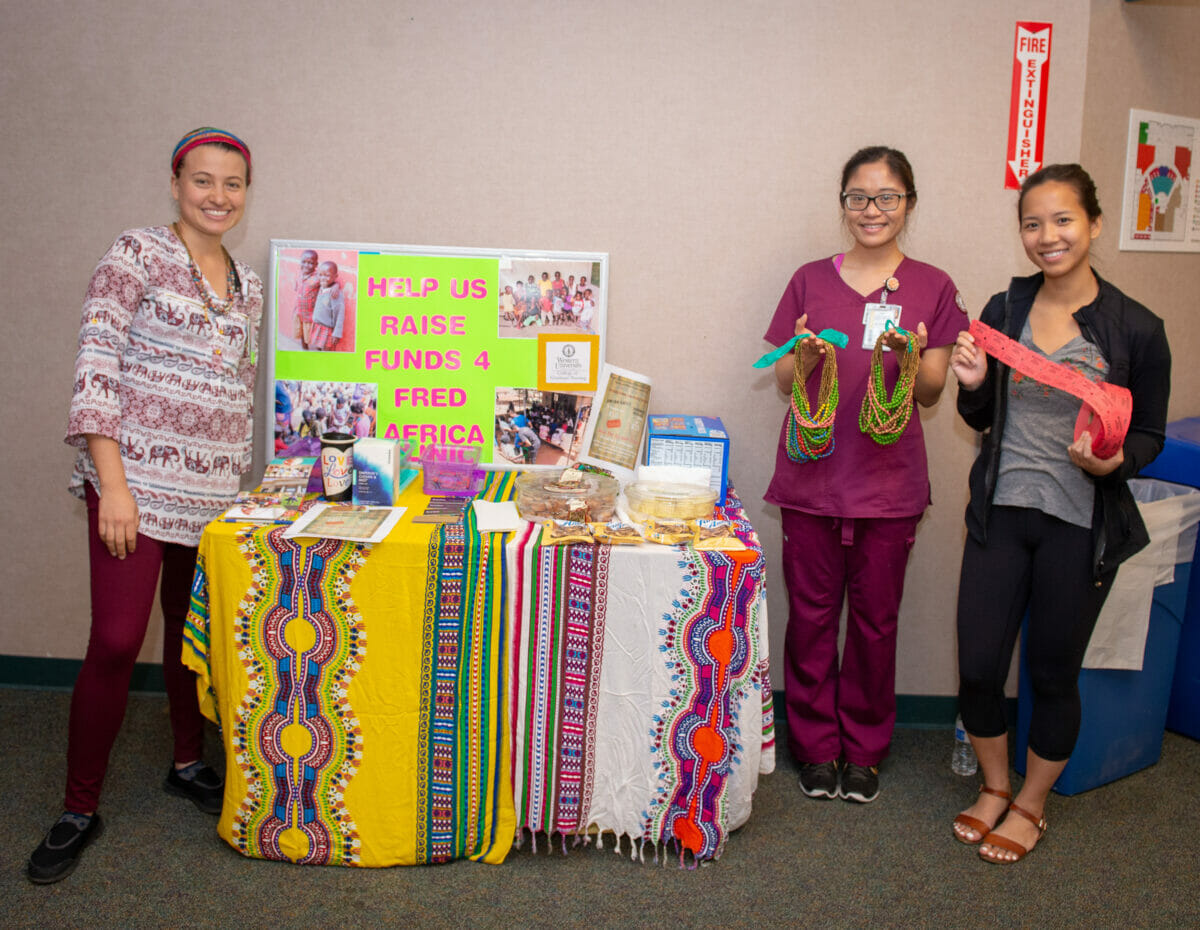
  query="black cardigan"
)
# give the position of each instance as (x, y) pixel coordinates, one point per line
(1134, 343)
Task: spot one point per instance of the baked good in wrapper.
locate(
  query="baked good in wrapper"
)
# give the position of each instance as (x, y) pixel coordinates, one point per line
(668, 532)
(716, 534)
(616, 533)
(563, 532)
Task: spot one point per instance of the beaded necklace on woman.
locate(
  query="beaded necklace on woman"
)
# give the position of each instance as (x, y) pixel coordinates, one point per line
(213, 303)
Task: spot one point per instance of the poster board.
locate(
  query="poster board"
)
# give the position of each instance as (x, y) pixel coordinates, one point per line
(500, 348)
(1160, 206)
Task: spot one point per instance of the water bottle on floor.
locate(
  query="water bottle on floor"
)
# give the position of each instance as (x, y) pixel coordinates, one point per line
(963, 762)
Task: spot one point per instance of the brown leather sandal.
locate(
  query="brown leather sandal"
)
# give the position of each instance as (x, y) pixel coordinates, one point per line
(1003, 842)
(974, 823)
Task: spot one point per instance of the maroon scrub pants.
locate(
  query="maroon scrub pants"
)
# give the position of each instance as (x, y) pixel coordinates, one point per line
(848, 712)
(122, 597)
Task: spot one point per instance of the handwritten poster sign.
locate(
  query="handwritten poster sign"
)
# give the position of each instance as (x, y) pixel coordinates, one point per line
(433, 345)
(1027, 115)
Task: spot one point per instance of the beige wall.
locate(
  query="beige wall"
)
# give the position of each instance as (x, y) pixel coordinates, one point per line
(1144, 56)
(699, 144)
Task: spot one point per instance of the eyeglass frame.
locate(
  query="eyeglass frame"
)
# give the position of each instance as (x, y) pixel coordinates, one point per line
(872, 200)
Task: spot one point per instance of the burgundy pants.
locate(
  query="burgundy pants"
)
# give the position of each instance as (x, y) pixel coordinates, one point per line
(845, 712)
(122, 597)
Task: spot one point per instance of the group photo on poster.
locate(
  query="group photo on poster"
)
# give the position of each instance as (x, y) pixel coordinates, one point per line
(316, 291)
(305, 410)
(538, 296)
(539, 427)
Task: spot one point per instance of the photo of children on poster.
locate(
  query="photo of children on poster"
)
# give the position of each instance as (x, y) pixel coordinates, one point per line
(316, 293)
(304, 410)
(539, 427)
(549, 297)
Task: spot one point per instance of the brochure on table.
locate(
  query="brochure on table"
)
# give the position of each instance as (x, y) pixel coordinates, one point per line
(346, 521)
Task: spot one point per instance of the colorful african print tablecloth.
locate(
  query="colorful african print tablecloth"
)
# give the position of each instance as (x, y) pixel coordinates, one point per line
(378, 704)
(642, 703)
(360, 692)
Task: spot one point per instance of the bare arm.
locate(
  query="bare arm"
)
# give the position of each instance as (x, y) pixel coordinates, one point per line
(118, 513)
(931, 376)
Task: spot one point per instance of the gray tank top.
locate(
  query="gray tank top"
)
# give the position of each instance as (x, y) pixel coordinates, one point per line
(1035, 470)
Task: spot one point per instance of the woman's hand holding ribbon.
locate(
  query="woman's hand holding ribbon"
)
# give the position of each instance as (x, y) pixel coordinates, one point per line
(1082, 456)
(811, 349)
(897, 339)
(968, 362)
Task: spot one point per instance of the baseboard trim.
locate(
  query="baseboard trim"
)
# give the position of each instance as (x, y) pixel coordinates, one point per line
(60, 674)
(918, 711)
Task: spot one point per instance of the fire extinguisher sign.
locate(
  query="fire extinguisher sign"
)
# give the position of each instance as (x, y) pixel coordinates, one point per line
(1027, 118)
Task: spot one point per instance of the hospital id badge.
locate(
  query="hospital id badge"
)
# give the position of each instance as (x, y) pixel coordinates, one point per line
(875, 320)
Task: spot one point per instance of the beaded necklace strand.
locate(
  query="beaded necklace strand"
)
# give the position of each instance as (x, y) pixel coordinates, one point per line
(211, 301)
(810, 434)
(882, 419)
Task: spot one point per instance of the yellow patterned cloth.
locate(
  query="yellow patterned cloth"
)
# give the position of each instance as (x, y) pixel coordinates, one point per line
(360, 692)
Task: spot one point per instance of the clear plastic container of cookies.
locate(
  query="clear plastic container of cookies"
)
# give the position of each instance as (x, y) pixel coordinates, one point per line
(659, 500)
(584, 497)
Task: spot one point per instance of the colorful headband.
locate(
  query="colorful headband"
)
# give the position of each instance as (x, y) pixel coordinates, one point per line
(207, 135)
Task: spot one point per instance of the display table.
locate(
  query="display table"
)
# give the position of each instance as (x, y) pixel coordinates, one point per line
(378, 704)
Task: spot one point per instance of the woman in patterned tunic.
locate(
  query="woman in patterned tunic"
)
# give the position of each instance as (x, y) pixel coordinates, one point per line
(162, 421)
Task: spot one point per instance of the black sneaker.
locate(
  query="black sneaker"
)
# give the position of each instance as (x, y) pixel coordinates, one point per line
(59, 852)
(860, 783)
(819, 779)
(199, 784)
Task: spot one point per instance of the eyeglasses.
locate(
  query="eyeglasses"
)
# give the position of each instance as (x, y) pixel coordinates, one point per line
(886, 202)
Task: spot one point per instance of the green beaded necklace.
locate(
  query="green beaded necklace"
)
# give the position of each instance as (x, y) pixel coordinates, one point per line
(809, 433)
(881, 418)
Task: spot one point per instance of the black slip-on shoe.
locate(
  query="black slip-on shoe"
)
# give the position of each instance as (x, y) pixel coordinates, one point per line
(199, 784)
(58, 854)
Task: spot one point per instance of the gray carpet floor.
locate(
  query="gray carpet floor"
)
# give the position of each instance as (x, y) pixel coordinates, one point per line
(1122, 855)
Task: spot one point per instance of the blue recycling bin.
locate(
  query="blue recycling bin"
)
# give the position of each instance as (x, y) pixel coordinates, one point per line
(1124, 711)
(1179, 462)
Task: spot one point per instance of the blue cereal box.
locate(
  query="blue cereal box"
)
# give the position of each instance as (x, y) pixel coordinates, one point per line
(377, 467)
(676, 439)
